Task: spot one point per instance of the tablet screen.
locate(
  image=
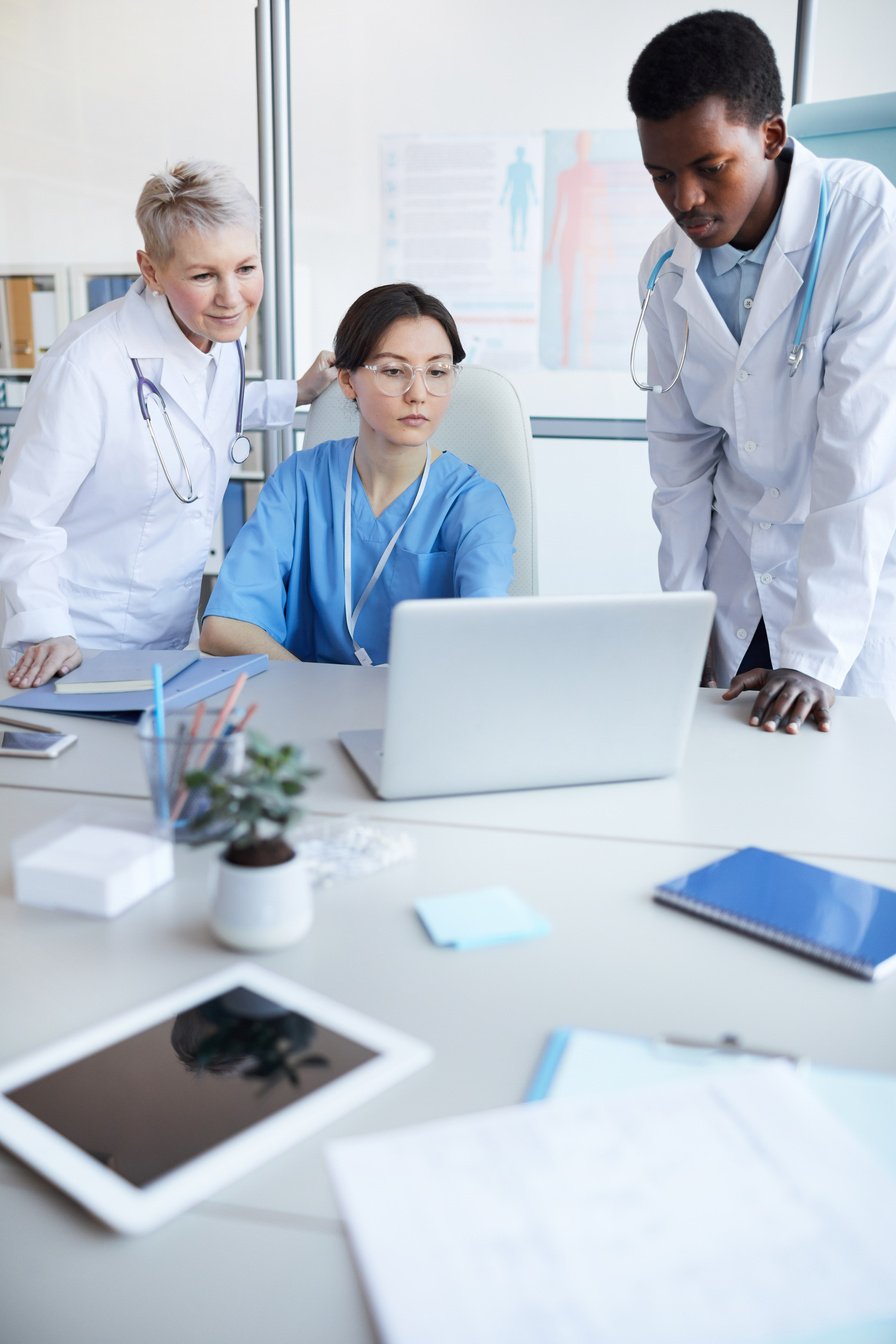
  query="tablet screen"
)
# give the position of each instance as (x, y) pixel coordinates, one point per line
(157, 1099)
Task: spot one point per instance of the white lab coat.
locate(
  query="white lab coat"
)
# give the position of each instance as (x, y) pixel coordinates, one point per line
(779, 493)
(93, 542)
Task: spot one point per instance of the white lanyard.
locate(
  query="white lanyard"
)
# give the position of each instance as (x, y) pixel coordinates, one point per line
(351, 617)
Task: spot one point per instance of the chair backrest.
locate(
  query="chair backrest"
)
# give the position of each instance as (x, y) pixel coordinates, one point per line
(485, 425)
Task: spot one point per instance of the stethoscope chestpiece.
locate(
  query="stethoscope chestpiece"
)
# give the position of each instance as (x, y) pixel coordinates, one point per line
(795, 358)
(240, 448)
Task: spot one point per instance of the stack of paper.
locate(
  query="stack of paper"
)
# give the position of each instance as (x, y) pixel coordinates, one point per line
(734, 1208)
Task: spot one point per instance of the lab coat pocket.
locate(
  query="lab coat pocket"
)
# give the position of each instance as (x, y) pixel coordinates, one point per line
(89, 593)
(98, 613)
(428, 575)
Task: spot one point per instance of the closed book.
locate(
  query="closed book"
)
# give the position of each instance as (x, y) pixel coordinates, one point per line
(842, 921)
(124, 670)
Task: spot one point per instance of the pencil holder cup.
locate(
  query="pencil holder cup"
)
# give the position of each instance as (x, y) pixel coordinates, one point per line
(193, 740)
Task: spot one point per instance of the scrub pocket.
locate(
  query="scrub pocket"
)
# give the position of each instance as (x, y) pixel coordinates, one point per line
(429, 575)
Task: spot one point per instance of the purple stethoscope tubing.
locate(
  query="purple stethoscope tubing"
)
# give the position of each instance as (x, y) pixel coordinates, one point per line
(240, 446)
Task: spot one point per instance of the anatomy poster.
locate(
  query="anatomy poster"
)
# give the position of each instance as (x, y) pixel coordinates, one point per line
(600, 215)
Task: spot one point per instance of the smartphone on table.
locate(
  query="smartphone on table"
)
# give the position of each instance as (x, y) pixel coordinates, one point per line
(27, 742)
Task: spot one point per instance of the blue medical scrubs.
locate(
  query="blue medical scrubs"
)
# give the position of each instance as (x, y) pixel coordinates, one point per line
(284, 572)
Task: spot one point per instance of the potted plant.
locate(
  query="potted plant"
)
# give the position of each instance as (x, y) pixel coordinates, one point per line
(262, 898)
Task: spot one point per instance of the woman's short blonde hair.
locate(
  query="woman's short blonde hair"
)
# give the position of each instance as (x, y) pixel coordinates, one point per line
(195, 195)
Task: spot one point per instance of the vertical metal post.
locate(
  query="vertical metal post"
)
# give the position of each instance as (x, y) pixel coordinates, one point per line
(282, 180)
(275, 191)
(283, 240)
(804, 51)
(266, 177)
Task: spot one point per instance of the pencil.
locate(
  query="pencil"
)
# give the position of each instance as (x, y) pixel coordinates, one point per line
(222, 718)
(183, 791)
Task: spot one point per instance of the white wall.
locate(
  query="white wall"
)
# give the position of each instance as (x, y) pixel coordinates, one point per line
(95, 95)
(595, 531)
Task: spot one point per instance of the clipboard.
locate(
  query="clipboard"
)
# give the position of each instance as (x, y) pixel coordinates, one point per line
(581, 1062)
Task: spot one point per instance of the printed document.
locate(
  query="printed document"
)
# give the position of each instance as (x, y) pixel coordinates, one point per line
(735, 1207)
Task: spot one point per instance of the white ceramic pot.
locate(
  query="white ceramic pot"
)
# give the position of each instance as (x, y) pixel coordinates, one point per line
(260, 909)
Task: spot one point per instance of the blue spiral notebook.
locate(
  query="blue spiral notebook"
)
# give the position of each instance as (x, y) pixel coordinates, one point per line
(841, 921)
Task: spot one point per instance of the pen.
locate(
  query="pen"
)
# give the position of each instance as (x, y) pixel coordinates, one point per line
(159, 715)
(238, 727)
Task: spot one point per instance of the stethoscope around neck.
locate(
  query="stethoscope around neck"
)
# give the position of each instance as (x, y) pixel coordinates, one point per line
(239, 449)
(796, 351)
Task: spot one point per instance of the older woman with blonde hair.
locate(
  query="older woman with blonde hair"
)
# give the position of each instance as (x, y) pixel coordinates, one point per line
(131, 427)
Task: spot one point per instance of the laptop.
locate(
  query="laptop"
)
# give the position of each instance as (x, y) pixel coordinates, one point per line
(489, 694)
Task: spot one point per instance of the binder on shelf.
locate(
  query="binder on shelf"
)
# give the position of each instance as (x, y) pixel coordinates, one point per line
(103, 288)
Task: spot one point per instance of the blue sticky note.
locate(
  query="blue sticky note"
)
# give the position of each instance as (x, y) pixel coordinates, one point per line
(478, 918)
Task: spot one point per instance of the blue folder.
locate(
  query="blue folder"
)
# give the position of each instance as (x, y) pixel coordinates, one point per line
(199, 681)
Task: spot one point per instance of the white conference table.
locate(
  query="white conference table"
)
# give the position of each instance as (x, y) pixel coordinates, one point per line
(268, 1254)
(816, 793)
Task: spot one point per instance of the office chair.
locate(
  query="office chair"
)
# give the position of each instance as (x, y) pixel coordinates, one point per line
(486, 426)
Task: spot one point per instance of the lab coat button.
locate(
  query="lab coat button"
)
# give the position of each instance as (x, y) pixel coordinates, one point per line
(741, 633)
(765, 578)
(775, 492)
(742, 375)
(750, 446)
(765, 526)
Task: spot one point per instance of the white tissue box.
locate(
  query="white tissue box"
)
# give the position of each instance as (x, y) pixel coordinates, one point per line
(92, 869)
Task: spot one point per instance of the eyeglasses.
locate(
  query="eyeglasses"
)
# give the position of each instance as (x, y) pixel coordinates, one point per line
(394, 377)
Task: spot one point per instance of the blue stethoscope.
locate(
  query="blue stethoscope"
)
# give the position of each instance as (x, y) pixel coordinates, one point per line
(795, 354)
(239, 449)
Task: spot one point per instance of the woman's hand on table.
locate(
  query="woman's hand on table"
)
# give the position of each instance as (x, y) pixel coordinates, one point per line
(41, 662)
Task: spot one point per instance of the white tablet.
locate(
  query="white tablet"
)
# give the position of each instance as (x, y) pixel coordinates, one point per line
(152, 1111)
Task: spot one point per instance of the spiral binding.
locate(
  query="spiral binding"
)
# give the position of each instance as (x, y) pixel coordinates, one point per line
(768, 933)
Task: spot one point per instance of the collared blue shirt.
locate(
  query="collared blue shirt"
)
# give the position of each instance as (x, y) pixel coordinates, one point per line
(284, 572)
(732, 276)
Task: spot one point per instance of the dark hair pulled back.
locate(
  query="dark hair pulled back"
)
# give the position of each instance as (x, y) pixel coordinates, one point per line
(374, 312)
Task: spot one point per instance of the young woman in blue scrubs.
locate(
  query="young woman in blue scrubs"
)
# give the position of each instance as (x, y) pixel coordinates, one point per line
(347, 529)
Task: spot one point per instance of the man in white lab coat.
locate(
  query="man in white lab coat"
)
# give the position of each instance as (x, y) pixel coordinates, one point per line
(775, 489)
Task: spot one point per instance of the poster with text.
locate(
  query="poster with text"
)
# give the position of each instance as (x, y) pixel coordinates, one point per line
(462, 217)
